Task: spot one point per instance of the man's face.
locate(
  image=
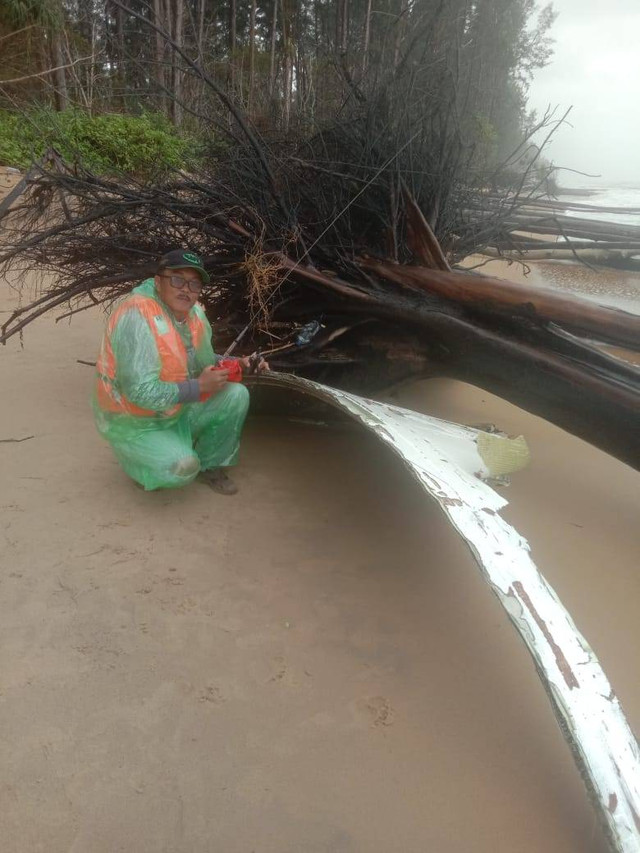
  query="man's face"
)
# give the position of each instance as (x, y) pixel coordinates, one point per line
(176, 289)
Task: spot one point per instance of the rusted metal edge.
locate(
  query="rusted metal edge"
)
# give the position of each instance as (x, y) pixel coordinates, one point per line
(445, 460)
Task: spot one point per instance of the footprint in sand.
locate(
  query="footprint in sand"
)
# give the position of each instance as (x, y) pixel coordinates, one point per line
(377, 710)
(211, 694)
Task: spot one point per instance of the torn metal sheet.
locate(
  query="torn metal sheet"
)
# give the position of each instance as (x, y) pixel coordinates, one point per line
(451, 462)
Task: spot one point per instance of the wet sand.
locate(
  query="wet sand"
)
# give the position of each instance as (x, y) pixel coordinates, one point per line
(314, 665)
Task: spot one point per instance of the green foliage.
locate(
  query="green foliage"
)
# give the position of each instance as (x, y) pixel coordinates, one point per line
(485, 130)
(12, 149)
(20, 13)
(144, 145)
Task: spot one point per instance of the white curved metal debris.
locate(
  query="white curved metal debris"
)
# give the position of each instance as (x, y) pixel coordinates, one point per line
(447, 460)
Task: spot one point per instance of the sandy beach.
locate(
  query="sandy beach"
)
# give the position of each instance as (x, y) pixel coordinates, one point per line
(313, 665)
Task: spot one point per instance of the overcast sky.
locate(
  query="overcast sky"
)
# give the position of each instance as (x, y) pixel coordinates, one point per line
(595, 68)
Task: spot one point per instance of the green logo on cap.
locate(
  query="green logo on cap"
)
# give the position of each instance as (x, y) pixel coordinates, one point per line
(193, 259)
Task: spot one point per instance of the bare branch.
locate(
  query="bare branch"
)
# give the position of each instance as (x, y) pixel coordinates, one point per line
(46, 72)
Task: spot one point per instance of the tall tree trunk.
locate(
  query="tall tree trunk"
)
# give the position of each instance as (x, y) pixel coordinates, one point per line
(318, 38)
(252, 54)
(86, 28)
(159, 52)
(288, 84)
(232, 43)
(93, 67)
(309, 72)
(200, 32)
(367, 36)
(401, 23)
(288, 66)
(344, 27)
(59, 76)
(339, 23)
(272, 60)
(297, 59)
(121, 73)
(176, 70)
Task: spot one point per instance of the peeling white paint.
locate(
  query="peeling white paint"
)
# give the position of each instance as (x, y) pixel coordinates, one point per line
(444, 458)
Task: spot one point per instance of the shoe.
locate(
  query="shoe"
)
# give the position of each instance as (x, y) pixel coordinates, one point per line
(218, 480)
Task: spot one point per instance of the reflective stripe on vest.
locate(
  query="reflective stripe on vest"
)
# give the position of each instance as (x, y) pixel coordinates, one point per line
(170, 347)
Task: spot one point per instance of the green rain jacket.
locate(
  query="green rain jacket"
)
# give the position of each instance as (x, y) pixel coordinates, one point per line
(139, 365)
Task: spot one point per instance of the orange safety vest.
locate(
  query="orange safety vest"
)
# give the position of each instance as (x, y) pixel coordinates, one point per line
(171, 349)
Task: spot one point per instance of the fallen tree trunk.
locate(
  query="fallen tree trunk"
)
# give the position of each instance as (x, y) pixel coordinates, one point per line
(572, 226)
(587, 253)
(487, 295)
(567, 382)
(520, 241)
(375, 321)
(551, 204)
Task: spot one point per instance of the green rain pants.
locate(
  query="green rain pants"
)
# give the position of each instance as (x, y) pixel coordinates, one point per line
(204, 436)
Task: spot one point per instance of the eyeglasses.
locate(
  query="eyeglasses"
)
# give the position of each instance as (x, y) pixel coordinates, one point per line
(180, 283)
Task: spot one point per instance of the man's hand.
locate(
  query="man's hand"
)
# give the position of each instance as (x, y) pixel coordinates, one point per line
(212, 381)
(249, 363)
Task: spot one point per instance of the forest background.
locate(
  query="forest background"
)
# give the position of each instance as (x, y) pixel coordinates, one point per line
(93, 78)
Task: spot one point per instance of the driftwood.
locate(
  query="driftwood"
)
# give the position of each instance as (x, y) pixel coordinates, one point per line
(602, 255)
(532, 221)
(526, 242)
(489, 295)
(590, 229)
(552, 204)
(50, 156)
(509, 225)
(548, 372)
(380, 322)
(420, 237)
(447, 462)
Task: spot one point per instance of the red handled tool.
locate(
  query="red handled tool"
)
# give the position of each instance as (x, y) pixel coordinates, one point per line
(233, 366)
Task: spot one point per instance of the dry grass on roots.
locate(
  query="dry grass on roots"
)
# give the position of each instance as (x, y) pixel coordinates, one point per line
(264, 271)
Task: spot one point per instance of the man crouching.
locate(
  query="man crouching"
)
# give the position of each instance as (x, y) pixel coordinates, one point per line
(167, 415)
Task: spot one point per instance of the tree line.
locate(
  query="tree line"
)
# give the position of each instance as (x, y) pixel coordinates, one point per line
(290, 64)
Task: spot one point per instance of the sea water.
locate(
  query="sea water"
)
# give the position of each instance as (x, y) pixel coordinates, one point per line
(627, 197)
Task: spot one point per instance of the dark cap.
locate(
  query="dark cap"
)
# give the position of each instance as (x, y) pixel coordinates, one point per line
(180, 259)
